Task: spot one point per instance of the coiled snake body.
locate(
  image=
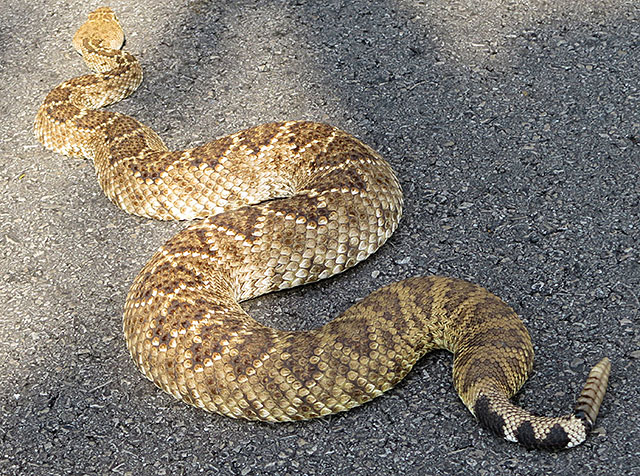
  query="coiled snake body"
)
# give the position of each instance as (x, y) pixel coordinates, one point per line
(282, 205)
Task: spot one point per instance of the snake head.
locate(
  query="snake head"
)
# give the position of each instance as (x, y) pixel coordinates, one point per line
(102, 28)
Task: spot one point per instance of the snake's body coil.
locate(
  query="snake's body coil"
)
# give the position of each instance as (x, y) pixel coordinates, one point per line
(283, 204)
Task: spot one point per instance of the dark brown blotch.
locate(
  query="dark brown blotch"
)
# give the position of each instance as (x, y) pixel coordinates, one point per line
(473, 367)
(243, 220)
(257, 137)
(500, 337)
(167, 277)
(526, 436)
(92, 120)
(122, 126)
(457, 294)
(83, 81)
(351, 331)
(211, 152)
(556, 438)
(488, 418)
(62, 112)
(299, 205)
(348, 178)
(305, 132)
(129, 147)
(59, 94)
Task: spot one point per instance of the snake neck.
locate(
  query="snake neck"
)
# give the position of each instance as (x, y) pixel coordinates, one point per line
(67, 121)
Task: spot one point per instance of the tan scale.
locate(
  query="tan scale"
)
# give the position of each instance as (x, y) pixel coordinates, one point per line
(282, 205)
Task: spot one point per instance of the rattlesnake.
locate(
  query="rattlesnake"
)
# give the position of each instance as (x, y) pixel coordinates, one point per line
(283, 204)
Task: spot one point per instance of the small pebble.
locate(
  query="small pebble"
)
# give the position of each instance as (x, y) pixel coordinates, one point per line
(576, 362)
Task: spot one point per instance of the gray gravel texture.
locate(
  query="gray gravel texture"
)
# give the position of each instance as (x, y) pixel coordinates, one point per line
(514, 127)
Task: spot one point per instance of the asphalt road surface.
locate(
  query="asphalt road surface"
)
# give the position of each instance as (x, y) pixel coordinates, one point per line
(514, 127)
